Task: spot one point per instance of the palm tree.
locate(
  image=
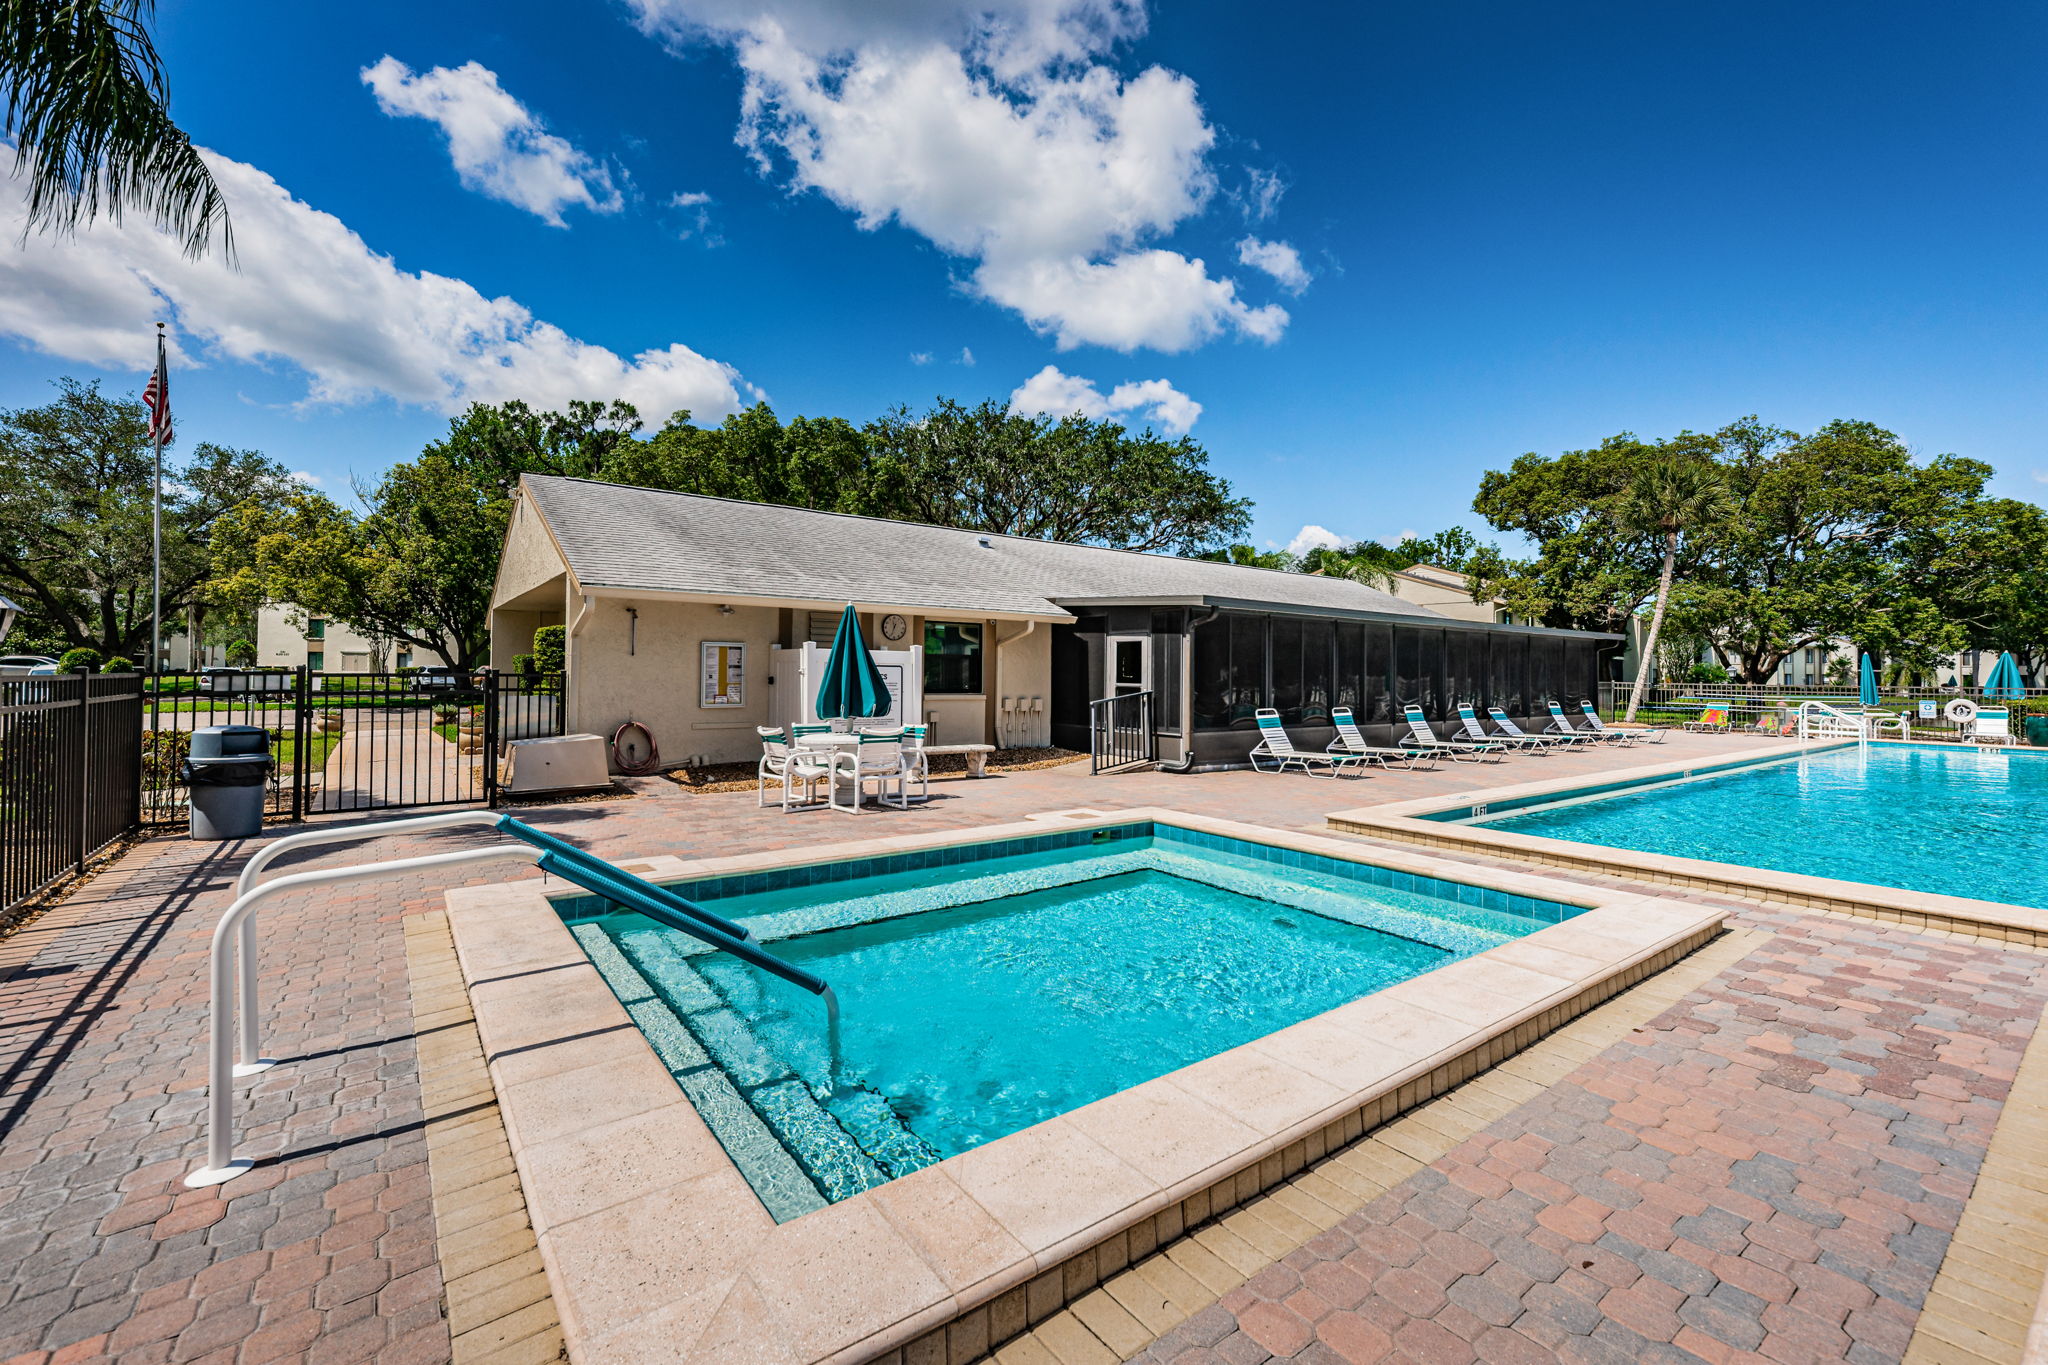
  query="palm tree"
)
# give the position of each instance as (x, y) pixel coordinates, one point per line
(85, 104)
(1672, 497)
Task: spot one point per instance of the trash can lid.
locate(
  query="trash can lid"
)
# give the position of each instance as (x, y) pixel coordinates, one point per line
(229, 741)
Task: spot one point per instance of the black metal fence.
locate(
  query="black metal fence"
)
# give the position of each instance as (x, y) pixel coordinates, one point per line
(1120, 732)
(70, 775)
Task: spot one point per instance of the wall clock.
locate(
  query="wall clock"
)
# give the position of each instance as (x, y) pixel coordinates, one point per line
(894, 628)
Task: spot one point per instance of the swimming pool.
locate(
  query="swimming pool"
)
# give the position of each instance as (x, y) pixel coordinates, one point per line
(1947, 819)
(984, 988)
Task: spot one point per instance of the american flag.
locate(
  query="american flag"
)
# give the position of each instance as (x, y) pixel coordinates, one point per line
(156, 396)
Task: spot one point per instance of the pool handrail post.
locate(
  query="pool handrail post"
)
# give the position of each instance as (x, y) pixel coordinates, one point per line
(221, 1163)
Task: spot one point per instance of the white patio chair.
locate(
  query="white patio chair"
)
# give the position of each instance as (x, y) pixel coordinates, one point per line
(1459, 747)
(1468, 722)
(1351, 740)
(789, 765)
(1505, 724)
(1276, 746)
(916, 762)
(878, 759)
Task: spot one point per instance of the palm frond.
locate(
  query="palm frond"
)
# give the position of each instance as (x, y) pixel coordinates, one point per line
(86, 106)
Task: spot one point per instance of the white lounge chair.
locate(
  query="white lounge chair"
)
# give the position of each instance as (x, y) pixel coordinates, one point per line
(1351, 740)
(1653, 733)
(1277, 748)
(1505, 724)
(916, 762)
(788, 765)
(1469, 720)
(1457, 746)
(1560, 724)
(1993, 725)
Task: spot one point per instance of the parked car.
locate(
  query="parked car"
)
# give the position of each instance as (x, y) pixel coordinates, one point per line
(239, 680)
(23, 665)
(440, 678)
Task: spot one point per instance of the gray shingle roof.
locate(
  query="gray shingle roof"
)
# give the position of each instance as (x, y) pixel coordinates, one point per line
(646, 540)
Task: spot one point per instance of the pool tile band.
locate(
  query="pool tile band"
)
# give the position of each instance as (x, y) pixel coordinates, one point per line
(613, 1156)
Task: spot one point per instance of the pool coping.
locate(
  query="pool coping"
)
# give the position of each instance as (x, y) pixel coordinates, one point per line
(1420, 822)
(657, 1248)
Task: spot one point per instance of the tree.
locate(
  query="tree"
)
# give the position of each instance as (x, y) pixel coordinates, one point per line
(824, 463)
(88, 109)
(1671, 497)
(75, 517)
(987, 469)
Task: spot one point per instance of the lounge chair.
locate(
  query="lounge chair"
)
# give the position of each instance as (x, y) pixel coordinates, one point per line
(1560, 724)
(1457, 746)
(785, 763)
(1469, 719)
(1993, 725)
(1713, 720)
(1277, 748)
(1653, 733)
(1505, 724)
(1351, 740)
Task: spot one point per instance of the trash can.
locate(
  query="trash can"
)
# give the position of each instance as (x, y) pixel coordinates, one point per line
(228, 769)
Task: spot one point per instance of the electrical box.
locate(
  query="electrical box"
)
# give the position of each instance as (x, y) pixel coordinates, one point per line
(558, 763)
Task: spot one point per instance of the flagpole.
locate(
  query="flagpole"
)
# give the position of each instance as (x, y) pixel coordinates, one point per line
(156, 527)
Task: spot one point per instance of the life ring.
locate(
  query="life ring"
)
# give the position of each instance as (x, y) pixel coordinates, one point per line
(1962, 710)
(640, 767)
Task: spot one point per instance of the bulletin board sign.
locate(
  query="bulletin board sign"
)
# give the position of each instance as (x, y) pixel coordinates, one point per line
(724, 673)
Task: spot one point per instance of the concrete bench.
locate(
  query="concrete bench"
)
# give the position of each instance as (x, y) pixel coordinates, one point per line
(977, 755)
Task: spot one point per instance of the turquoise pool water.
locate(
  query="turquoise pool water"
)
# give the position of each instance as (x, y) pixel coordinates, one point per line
(1938, 818)
(995, 988)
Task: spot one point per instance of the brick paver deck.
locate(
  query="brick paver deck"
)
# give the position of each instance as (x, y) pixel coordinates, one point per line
(1839, 1086)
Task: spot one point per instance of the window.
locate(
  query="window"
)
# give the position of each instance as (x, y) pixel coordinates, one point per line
(952, 657)
(405, 658)
(1286, 638)
(1211, 674)
(315, 660)
(316, 628)
(1166, 670)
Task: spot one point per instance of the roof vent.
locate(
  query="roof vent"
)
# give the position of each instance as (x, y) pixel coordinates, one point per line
(983, 542)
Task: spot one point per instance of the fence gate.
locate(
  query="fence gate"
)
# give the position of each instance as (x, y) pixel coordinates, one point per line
(349, 741)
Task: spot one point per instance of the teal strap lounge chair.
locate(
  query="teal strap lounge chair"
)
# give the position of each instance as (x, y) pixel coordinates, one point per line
(1560, 724)
(1275, 748)
(1505, 725)
(1460, 747)
(1653, 733)
(1351, 740)
(1468, 720)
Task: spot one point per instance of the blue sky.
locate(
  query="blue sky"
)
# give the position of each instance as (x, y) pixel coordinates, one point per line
(1383, 248)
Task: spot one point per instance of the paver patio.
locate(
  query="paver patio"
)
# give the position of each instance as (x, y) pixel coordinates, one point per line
(1772, 1168)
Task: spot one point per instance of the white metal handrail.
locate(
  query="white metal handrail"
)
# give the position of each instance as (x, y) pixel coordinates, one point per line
(221, 1163)
(1817, 717)
(244, 950)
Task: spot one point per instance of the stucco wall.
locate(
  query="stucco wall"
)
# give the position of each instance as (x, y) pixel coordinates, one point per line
(657, 683)
(530, 559)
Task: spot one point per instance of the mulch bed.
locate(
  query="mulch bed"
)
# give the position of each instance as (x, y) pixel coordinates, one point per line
(740, 777)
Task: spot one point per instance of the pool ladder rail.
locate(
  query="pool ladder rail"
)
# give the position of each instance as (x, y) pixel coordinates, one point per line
(232, 971)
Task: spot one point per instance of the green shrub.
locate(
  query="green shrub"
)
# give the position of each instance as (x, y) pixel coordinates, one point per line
(548, 644)
(80, 660)
(241, 654)
(120, 663)
(1706, 673)
(523, 665)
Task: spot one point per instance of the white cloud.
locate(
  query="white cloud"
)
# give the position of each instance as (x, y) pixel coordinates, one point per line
(1260, 198)
(920, 357)
(306, 477)
(2041, 476)
(311, 293)
(499, 147)
(1278, 259)
(696, 210)
(990, 131)
(966, 357)
(1314, 537)
(1062, 395)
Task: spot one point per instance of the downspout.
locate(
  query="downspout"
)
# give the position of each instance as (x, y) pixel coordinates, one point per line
(1187, 758)
(1001, 645)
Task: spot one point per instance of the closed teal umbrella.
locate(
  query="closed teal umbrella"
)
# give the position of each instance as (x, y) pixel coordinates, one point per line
(1867, 693)
(2004, 683)
(854, 686)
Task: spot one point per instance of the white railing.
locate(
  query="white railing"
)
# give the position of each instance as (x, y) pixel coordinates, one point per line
(1819, 720)
(233, 972)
